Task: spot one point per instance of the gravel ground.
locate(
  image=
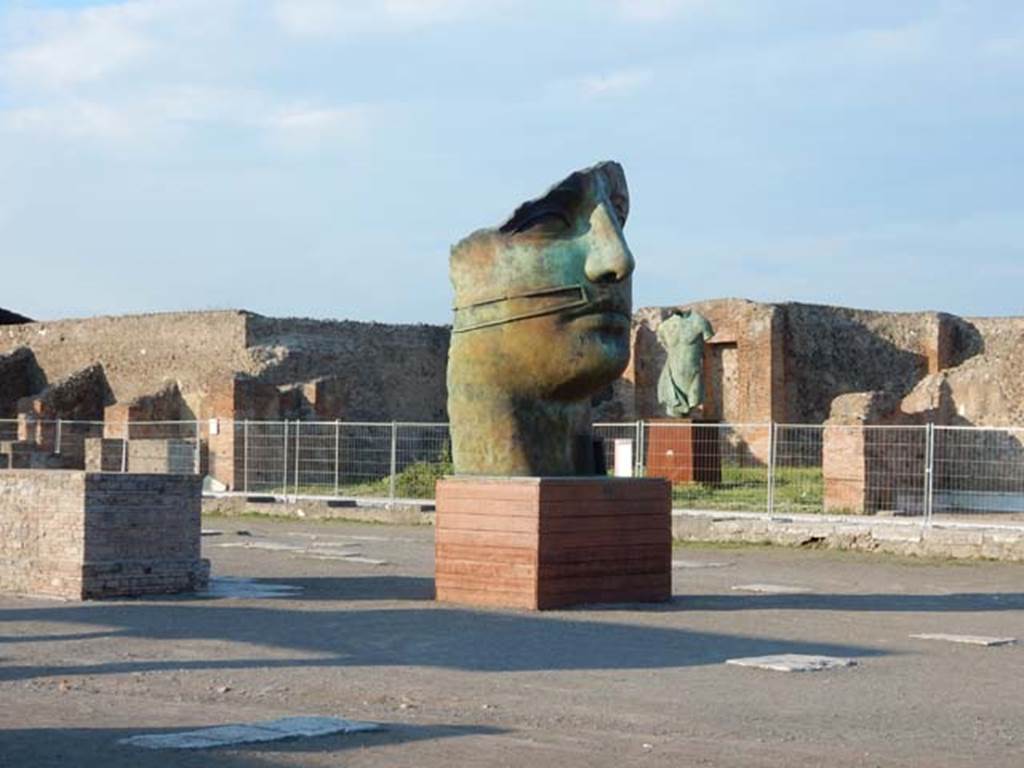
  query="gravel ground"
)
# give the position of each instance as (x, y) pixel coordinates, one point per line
(347, 628)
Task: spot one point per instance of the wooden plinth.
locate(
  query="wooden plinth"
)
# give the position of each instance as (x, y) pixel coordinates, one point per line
(684, 452)
(538, 543)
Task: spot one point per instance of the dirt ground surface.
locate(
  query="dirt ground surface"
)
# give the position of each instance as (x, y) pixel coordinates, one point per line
(639, 685)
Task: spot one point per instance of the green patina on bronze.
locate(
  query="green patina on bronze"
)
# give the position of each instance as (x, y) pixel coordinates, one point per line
(681, 384)
(543, 308)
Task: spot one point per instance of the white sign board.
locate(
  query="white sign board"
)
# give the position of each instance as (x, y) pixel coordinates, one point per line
(624, 458)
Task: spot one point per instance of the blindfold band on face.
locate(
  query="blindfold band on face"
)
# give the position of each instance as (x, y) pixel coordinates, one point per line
(492, 312)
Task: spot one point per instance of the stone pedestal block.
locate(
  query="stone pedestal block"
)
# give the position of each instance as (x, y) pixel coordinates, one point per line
(539, 543)
(79, 535)
(684, 452)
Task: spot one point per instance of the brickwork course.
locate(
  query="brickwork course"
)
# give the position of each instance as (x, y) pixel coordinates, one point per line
(342, 369)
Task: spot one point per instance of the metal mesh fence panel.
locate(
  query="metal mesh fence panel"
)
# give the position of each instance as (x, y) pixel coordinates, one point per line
(423, 453)
(978, 471)
(711, 466)
(874, 470)
(797, 482)
(264, 456)
(365, 459)
(782, 468)
(315, 456)
(163, 447)
(8, 430)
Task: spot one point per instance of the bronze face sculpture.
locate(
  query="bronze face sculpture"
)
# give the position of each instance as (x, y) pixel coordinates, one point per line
(543, 308)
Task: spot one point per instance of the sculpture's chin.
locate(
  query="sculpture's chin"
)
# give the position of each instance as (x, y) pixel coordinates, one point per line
(601, 357)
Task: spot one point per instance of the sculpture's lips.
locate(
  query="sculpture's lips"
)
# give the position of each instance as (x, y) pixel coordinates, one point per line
(612, 321)
(572, 301)
(606, 307)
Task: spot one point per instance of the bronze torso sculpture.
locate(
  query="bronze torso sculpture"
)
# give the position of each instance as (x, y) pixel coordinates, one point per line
(543, 308)
(681, 384)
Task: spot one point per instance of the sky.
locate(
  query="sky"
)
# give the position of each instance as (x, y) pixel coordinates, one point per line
(318, 158)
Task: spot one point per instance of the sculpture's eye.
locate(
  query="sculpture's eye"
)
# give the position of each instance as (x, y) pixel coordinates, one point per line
(547, 221)
(621, 207)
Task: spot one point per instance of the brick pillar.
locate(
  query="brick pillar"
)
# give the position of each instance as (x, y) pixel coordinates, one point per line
(844, 468)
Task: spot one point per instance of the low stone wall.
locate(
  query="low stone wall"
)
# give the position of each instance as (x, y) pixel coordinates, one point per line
(79, 535)
(399, 512)
(898, 537)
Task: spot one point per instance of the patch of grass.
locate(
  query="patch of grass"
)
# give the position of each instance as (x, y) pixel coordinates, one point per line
(745, 489)
(416, 481)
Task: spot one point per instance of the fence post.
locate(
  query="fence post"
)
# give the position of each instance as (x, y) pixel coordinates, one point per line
(284, 479)
(124, 448)
(773, 448)
(337, 455)
(297, 455)
(929, 472)
(57, 438)
(197, 458)
(245, 453)
(638, 460)
(394, 460)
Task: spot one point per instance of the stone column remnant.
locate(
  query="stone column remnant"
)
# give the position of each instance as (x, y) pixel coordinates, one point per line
(543, 309)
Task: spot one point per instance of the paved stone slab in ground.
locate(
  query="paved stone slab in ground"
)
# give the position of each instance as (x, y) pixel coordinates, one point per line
(316, 549)
(227, 586)
(700, 564)
(793, 662)
(249, 733)
(771, 589)
(967, 639)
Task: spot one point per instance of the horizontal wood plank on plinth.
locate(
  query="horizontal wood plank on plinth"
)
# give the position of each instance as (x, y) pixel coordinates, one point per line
(475, 506)
(552, 542)
(547, 601)
(445, 551)
(609, 552)
(489, 597)
(458, 521)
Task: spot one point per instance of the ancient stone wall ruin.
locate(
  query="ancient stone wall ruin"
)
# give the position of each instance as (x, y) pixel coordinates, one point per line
(343, 369)
(371, 371)
(788, 362)
(831, 351)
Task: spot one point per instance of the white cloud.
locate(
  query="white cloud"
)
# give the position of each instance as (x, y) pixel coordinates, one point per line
(307, 127)
(328, 18)
(613, 82)
(76, 119)
(175, 113)
(906, 41)
(658, 10)
(1006, 48)
(66, 49)
(72, 47)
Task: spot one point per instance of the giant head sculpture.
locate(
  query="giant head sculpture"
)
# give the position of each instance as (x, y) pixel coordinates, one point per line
(543, 308)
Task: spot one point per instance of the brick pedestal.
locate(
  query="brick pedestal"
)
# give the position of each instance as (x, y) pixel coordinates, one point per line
(78, 535)
(684, 452)
(538, 543)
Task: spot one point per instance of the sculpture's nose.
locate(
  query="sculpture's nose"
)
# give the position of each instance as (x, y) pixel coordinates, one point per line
(609, 259)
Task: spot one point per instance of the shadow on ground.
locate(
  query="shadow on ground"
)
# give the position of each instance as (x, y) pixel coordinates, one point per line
(417, 634)
(44, 747)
